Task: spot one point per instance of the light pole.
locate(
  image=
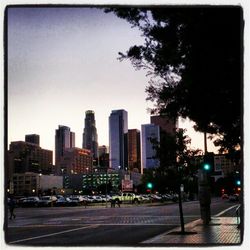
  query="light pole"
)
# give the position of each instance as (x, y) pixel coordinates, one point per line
(39, 184)
(106, 191)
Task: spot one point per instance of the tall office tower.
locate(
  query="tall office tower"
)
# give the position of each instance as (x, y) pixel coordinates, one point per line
(118, 145)
(134, 150)
(148, 153)
(64, 139)
(166, 124)
(33, 138)
(90, 140)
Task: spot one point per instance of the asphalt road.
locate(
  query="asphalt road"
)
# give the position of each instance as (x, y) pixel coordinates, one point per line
(101, 226)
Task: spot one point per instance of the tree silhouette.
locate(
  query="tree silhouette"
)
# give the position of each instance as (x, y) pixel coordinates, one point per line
(193, 57)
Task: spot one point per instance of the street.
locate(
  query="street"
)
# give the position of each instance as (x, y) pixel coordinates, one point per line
(101, 226)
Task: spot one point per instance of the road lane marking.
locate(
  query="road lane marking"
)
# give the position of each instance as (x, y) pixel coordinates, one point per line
(224, 211)
(53, 234)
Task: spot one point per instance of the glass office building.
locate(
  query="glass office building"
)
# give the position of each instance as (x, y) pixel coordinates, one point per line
(118, 139)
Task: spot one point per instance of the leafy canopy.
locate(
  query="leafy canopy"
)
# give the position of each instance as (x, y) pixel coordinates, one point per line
(193, 58)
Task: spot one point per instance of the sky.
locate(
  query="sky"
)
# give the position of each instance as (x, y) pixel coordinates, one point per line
(62, 62)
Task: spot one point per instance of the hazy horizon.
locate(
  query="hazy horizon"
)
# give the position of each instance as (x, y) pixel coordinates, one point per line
(62, 62)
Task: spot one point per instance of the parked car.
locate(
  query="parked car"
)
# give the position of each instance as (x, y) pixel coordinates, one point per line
(144, 198)
(90, 199)
(98, 198)
(46, 201)
(234, 197)
(167, 197)
(225, 196)
(109, 198)
(74, 201)
(32, 201)
(155, 197)
(61, 202)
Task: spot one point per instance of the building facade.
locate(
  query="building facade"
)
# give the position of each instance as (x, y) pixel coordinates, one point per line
(76, 161)
(149, 132)
(33, 138)
(28, 157)
(103, 156)
(224, 164)
(118, 132)
(64, 139)
(90, 139)
(134, 150)
(35, 184)
(166, 125)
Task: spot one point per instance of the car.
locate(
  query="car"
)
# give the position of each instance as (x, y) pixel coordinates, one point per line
(74, 201)
(155, 197)
(90, 199)
(61, 202)
(109, 198)
(98, 198)
(234, 197)
(167, 197)
(144, 198)
(225, 196)
(126, 198)
(31, 201)
(46, 201)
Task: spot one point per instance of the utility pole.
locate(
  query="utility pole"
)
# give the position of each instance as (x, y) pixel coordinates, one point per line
(205, 143)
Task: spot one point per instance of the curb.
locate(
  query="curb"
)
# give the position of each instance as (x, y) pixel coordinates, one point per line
(188, 227)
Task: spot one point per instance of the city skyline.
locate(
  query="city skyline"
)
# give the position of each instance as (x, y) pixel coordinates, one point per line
(62, 62)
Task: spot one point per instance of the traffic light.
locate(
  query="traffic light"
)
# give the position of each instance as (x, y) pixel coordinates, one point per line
(206, 166)
(150, 185)
(208, 162)
(238, 182)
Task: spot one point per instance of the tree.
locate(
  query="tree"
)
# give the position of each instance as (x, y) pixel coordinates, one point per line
(176, 157)
(193, 58)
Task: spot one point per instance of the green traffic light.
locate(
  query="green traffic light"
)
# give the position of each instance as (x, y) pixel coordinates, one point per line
(238, 182)
(149, 185)
(206, 166)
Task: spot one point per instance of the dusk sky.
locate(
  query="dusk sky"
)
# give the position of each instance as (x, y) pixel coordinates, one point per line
(62, 62)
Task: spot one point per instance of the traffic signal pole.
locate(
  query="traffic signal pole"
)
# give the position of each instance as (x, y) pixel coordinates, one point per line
(181, 211)
(204, 196)
(204, 187)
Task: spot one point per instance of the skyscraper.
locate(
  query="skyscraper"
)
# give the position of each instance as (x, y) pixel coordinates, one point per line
(64, 139)
(118, 145)
(166, 124)
(148, 153)
(134, 150)
(33, 139)
(90, 140)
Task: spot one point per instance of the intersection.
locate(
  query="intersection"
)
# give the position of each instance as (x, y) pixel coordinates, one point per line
(101, 226)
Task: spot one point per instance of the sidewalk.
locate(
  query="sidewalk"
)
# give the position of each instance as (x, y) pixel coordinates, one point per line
(220, 231)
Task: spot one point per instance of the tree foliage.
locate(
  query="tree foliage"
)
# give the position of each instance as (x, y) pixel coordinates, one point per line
(176, 158)
(193, 58)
